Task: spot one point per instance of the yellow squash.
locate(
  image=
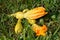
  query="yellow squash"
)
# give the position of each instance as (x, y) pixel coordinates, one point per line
(18, 27)
(18, 15)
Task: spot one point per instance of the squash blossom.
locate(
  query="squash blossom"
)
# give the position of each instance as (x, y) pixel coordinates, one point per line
(35, 13)
(39, 30)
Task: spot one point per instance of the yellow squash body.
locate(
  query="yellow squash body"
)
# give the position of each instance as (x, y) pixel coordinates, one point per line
(18, 27)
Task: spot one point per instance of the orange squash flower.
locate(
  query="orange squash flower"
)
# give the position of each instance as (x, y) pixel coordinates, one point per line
(39, 30)
(35, 13)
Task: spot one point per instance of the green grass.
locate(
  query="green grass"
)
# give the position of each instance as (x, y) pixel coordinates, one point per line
(7, 24)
